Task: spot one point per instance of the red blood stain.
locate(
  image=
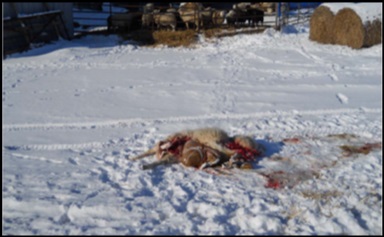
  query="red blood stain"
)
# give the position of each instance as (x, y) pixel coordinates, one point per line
(273, 181)
(291, 140)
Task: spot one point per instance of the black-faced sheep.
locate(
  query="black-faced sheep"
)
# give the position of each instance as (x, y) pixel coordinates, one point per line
(124, 21)
(241, 6)
(205, 17)
(255, 16)
(250, 14)
(235, 17)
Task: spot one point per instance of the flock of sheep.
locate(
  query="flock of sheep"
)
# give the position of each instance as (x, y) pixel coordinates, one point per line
(191, 14)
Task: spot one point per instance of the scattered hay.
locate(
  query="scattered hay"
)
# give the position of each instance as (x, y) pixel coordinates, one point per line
(321, 196)
(293, 212)
(162, 37)
(175, 38)
(365, 149)
(224, 31)
(181, 38)
(345, 136)
(321, 25)
(348, 29)
(214, 32)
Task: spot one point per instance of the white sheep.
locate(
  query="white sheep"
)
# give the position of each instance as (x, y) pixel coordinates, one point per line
(164, 19)
(218, 17)
(242, 6)
(148, 8)
(189, 13)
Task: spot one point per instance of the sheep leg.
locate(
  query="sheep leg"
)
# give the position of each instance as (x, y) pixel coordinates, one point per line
(210, 164)
(167, 159)
(216, 161)
(150, 152)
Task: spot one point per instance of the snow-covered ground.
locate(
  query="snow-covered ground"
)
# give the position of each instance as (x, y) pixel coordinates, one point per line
(73, 111)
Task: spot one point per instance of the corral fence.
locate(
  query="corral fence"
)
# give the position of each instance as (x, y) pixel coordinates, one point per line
(93, 17)
(291, 13)
(28, 24)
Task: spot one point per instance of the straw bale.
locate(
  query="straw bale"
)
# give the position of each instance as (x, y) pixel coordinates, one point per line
(321, 25)
(348, 29)
(373, 32)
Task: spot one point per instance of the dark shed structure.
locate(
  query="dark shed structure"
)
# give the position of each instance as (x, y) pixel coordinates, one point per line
(26, 23)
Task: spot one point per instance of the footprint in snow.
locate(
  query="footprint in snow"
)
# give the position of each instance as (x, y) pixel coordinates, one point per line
(333, 77)
(342, 98)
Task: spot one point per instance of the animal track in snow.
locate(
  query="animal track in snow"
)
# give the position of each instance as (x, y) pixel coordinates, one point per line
(342, 98)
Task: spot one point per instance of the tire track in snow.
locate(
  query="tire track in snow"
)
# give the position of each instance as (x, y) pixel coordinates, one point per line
(270, 129)
(276, 134)
(135, 121)
(331, 68)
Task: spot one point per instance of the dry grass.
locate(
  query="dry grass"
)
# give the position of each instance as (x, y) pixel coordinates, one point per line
(343, 136)
(183, 38)
(162, 37)
(293, 212)
(230, 31)
(321, 196)
(365, 149)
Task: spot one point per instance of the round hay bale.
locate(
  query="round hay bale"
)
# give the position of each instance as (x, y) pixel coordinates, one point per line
(373, 33)
(348, 29)
(321, 25)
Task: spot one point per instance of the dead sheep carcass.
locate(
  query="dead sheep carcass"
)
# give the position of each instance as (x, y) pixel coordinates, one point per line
(203, 148)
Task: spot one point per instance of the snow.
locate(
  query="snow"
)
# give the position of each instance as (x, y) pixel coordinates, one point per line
(367, 11)
(73, 111)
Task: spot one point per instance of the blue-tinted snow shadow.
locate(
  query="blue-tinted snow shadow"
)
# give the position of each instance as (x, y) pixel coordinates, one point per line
(271, 148)
(88, 41)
